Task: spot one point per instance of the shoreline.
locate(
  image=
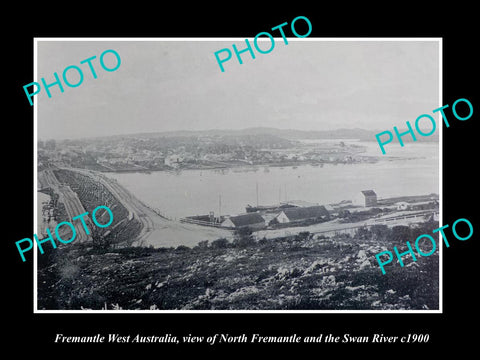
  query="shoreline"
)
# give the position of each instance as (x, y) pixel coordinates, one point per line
(243, 166)
(252, 167)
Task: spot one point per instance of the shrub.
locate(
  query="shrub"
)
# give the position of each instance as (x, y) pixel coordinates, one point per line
(202, 244)
(263, 241)
(274, 221)
(182, 248)
(380, 232)
(363, 233)
(304, 235)
(219, 243)
(243, 238)
(400, 234)
(243, 242)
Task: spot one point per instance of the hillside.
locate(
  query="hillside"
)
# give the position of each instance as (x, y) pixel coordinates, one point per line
(295, 272)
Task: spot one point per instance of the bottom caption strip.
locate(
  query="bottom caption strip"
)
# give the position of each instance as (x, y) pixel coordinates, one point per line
(243, 338)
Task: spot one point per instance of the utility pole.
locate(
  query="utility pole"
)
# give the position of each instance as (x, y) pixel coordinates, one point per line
(219, 205)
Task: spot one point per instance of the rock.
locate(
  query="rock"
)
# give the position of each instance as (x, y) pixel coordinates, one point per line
(361, 256)
(365, 264)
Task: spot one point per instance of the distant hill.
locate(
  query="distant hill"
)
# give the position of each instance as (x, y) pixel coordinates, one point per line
(289, 134)
(360, 134)
(283, 133)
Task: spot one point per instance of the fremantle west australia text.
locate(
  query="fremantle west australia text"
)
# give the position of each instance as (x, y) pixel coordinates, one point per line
(243, 338)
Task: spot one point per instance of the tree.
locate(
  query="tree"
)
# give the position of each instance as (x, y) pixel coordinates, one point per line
(203, 244)
(274, 221)
(243, 237)
(100, 241)
(363, 233)
(380, 232)
(219, 243)
(302, 236)
(400, 234)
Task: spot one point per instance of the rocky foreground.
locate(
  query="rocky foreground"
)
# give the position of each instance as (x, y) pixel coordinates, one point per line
(296, 272)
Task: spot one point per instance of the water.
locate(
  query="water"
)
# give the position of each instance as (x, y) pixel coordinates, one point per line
(228, 191)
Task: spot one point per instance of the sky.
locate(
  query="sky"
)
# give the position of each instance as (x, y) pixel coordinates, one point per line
(309, 84)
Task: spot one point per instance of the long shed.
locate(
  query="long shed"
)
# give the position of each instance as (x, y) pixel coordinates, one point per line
(302, 213)
(252, 220)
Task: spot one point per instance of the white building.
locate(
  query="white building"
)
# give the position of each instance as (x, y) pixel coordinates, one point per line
(302, 213)
(365, 198)
(173, 160)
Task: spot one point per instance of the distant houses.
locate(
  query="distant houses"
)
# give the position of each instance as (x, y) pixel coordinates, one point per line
(253, 220)
(419, 205)
(330, 208)
(295, 214)
(424, 205)
(173, 160)
(365, 198)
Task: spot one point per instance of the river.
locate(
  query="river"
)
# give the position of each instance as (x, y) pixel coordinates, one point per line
(411, 170)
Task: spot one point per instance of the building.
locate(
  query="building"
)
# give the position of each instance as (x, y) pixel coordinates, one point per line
(329, 208)
(365, 198)
(402, 205)
(302, 213)
(424, 205)
(253, 221)
(173, 161)
(299, 203)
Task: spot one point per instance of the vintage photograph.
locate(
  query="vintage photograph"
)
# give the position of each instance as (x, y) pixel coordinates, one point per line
(260, 188)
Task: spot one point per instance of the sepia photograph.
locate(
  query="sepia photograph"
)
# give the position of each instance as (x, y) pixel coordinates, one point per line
(260, 188)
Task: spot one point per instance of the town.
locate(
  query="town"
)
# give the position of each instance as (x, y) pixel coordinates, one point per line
(157, 152)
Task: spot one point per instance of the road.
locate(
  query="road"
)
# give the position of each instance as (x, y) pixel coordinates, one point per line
(157, 231)
(335, 226)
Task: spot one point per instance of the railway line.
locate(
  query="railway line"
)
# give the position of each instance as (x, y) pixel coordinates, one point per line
(156, 230)
(69, 198)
